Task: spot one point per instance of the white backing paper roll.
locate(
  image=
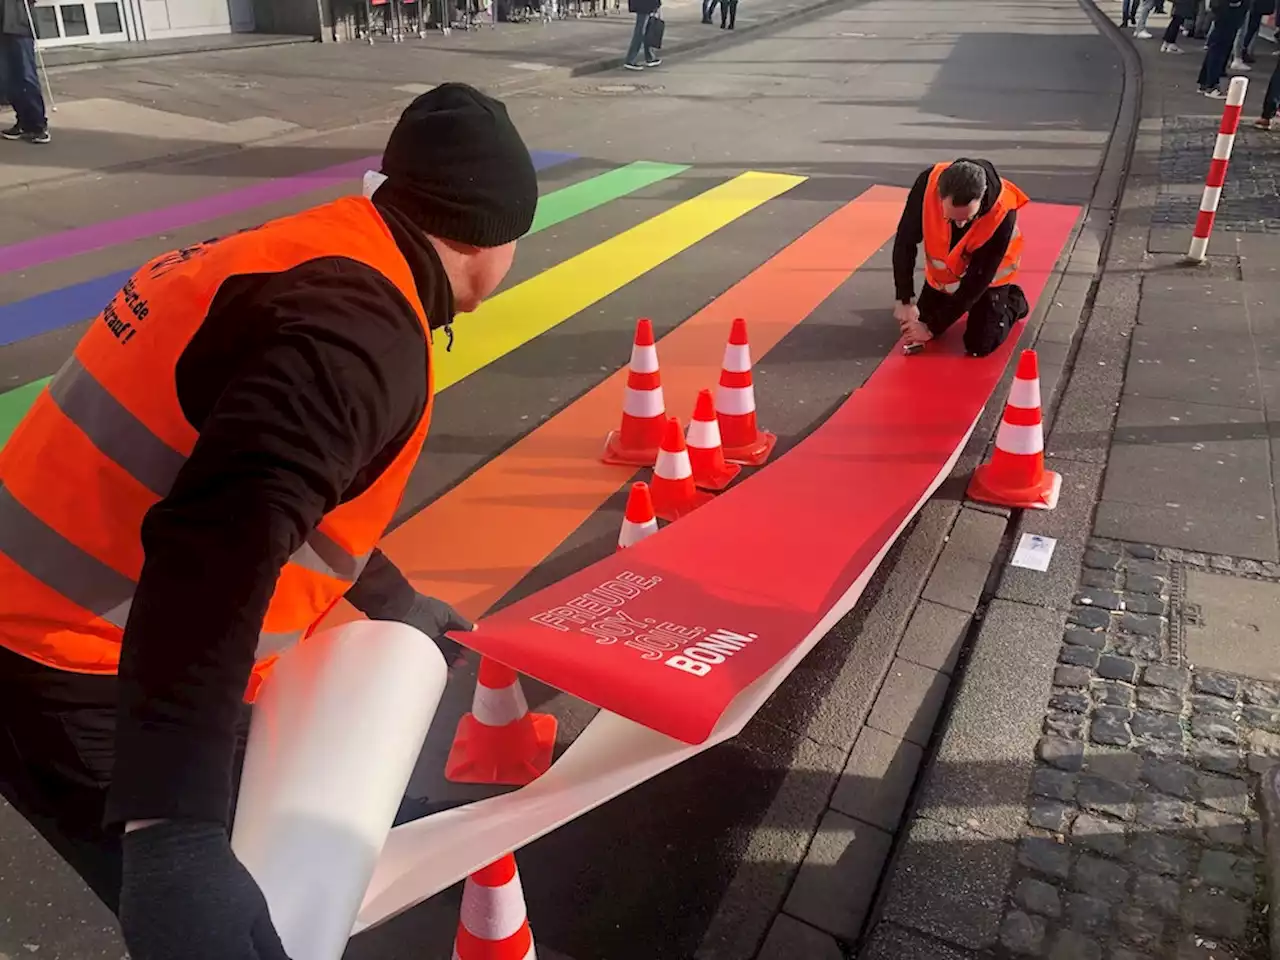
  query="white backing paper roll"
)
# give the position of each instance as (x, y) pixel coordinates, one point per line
(336, 731)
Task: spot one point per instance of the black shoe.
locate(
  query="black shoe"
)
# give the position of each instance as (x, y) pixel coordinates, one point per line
(653, 62)
(39, 136)
(13, 133)
(706, 19)
(632, 66)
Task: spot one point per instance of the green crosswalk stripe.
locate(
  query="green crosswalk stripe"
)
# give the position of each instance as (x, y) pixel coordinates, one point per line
(553, 208)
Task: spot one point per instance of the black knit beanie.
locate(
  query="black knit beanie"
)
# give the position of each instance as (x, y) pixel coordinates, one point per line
(456, 166)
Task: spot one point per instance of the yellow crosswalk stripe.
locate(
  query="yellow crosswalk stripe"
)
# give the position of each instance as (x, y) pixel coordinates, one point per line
(527, 310)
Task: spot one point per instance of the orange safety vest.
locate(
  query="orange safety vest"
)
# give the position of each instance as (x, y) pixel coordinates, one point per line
(944, 266)
(105, 440)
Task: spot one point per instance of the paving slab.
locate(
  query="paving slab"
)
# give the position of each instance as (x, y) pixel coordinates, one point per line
(838, 880)
(1221, 530)
(790, 939)
(1190, 455)
(1232, 616)
(978, 779)
(934, 637)
(1163, 371)
(909, 701)
(877, 780)
(949, 883)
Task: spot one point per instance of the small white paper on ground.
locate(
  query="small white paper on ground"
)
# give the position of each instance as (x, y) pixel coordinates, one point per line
(1034, 552)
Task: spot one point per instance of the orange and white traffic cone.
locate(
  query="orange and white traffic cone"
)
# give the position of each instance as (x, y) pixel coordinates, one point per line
(500, 741)
(744, 441)
(1016, 476)
(639, 521)
(494, 922)
(710, 471)
(644, 412)
(674, 492)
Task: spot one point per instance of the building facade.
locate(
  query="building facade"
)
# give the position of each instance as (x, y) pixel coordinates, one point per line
(63, 22)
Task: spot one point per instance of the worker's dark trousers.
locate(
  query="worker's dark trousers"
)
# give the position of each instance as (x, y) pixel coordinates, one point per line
(990, 319)
(57, 748)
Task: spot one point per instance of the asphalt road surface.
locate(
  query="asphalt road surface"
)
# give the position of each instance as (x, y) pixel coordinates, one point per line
(869, 93)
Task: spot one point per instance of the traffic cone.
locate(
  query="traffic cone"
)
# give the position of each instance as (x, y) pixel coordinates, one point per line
(494, 922)
(744, 441)
(674, 492)
(1016, 476)
(636, 442)
(710, 471)
(639, 521)
(500, 741)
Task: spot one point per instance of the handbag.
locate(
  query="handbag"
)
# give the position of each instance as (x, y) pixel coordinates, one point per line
(653, 31)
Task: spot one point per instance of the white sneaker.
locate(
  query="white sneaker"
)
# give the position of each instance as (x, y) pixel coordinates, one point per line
(1239, 66)
(1170, 48)
(1213, 93)
(1142, 34)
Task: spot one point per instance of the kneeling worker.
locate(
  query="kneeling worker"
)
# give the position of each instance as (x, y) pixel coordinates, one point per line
(197, 488)
(966, 217)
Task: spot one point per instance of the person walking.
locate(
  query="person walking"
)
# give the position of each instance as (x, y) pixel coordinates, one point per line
(644, 10)
(1184, 11)
(1270, 101)
(1242, 52)
(728, 14)
(199, 486)
(21, 78)
(709, 9)
(1228, 15)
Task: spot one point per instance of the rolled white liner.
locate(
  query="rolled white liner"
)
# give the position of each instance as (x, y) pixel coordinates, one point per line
(611, 756)
(336, 731)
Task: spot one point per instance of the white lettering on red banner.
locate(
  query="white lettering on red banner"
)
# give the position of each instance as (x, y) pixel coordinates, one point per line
(698, 658)
(599, 614)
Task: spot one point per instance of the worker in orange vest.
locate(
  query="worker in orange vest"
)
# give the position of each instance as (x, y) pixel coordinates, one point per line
(966, 217)
(201, 483)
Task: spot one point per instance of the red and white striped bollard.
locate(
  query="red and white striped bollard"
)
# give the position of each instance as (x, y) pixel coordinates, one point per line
(1217, 169)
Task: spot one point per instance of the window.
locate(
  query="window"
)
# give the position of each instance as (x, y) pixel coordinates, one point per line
(46, 22)
(74, 20)
(108, 17)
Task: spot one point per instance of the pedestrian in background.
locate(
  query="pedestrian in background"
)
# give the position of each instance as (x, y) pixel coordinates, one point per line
(728, 14)
(644, 11)
(1228, 16)
(709, 9)
(21, 79)
(1242, 52)
(1270, 101)
(1184, 11)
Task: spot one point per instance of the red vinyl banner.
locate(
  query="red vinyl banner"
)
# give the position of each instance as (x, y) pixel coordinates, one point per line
(668, 632)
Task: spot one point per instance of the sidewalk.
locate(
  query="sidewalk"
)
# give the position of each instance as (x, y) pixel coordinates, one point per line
(115, 114)
(1093, 792)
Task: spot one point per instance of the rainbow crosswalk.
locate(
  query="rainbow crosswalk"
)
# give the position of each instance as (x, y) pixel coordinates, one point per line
(497, 538)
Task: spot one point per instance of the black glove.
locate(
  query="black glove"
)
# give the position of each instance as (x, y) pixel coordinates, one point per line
(185, 896)
(435, 618)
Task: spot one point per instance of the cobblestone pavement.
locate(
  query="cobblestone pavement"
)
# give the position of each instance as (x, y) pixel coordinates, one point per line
(1250, 198)
(1142, 838)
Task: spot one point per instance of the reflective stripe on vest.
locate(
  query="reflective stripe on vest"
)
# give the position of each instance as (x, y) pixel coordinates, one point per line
(60, 565)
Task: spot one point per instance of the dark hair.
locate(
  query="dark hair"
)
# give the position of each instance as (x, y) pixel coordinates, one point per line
(963, 182)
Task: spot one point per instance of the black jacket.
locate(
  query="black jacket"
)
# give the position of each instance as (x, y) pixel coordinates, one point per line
(985, 262)
(14, 18)
(1187, 9)
(303, 386)
(643, 6)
